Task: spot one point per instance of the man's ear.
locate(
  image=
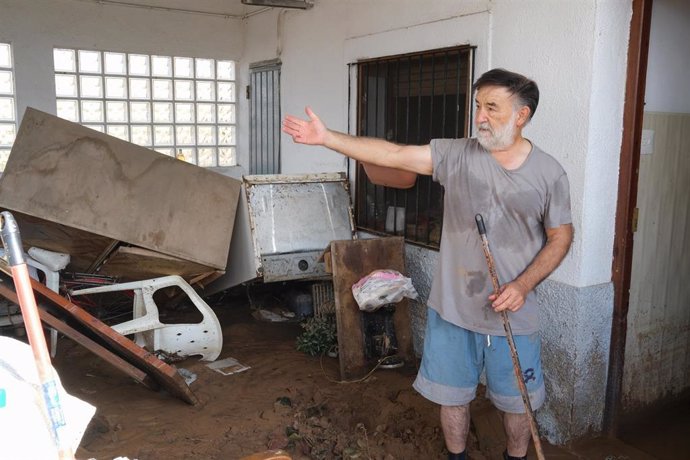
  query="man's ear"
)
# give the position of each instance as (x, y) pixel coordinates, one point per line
(523, 116)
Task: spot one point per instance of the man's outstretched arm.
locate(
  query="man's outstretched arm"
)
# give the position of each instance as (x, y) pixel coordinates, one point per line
(412, 158)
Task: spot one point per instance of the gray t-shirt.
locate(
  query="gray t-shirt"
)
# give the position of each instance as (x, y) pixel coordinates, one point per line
(517, 205)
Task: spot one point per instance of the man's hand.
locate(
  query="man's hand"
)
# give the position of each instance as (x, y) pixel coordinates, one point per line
(512, 295)
(312, 132)
(411, 158)
(511, 298)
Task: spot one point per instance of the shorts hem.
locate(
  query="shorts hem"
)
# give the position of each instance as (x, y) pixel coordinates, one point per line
(514, 404)
(443, 395)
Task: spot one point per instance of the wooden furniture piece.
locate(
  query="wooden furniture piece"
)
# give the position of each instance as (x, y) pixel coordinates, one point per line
(349, 261)
(85, 193)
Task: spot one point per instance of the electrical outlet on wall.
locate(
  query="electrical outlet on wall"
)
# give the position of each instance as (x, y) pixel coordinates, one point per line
(647, 142)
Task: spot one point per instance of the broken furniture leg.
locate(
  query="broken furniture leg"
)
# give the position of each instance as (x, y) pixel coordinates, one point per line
(204, 338)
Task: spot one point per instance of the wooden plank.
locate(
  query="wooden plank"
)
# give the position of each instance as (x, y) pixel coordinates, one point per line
(8, 292)
(205, 279)
(102, 256)
(351, 260)
(88, 250)
(166, 375)
(83, 247)
(133, 264)
(66, 173)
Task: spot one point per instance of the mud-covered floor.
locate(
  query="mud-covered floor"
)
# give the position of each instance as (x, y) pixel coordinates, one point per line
(293, 401)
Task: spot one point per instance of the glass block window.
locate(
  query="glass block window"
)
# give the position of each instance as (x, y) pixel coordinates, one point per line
(8, 106)
(179, 106)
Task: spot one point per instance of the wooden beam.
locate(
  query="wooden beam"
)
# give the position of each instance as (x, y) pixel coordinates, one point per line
(166, 375)
(102, 256)
(8, 292)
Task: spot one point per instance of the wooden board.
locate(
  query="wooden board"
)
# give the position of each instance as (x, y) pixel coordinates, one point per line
(72, 175)
(133, 264)
(350, 261)
(164, 374)
(7, 291)
(89, 251)
(83, 247)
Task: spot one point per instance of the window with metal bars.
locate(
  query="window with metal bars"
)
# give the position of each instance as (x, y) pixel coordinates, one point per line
(410, 99)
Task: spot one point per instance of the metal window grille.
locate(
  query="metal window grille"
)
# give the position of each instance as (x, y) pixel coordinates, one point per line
(323, 299)
(8, 105)
(264, 118)
(179, 106)
(410, 99)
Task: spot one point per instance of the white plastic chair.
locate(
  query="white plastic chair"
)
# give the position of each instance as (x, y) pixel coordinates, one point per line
(49, 263)
(204, 338)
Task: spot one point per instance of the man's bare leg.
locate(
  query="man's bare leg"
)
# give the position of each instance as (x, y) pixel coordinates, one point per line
(517, 432)
(455, 421)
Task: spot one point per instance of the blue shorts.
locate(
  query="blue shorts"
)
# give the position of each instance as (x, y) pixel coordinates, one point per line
(454, 358)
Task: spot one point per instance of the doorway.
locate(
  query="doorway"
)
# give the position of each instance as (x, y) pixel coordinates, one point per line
(649, 360)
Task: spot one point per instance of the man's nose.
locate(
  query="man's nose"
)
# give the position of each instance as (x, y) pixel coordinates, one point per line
(480, 116)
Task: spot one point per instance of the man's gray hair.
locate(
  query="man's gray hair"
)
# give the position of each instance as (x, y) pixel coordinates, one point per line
(525, 89)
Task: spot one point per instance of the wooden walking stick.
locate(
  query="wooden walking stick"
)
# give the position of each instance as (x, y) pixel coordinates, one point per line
(32, 322)
(511, 343)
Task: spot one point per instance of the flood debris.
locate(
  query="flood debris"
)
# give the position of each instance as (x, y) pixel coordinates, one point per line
(157, 372)
(364, 338)
(121, 212)
(203, 337)
(227, 366)
(116, 208)
(188, 376)
(283, 223)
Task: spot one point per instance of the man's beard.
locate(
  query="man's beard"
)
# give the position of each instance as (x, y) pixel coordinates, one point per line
(502, 138)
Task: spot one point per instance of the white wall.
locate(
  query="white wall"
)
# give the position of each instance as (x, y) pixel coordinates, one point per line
(599, 197)
(668, 68)
(574, 49)
(34, 27)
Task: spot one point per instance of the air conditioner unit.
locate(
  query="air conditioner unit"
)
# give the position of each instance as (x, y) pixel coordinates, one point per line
(299, 4)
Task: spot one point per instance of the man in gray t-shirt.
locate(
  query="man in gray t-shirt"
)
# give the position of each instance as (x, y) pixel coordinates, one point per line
(516, 204)
(523, 196)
